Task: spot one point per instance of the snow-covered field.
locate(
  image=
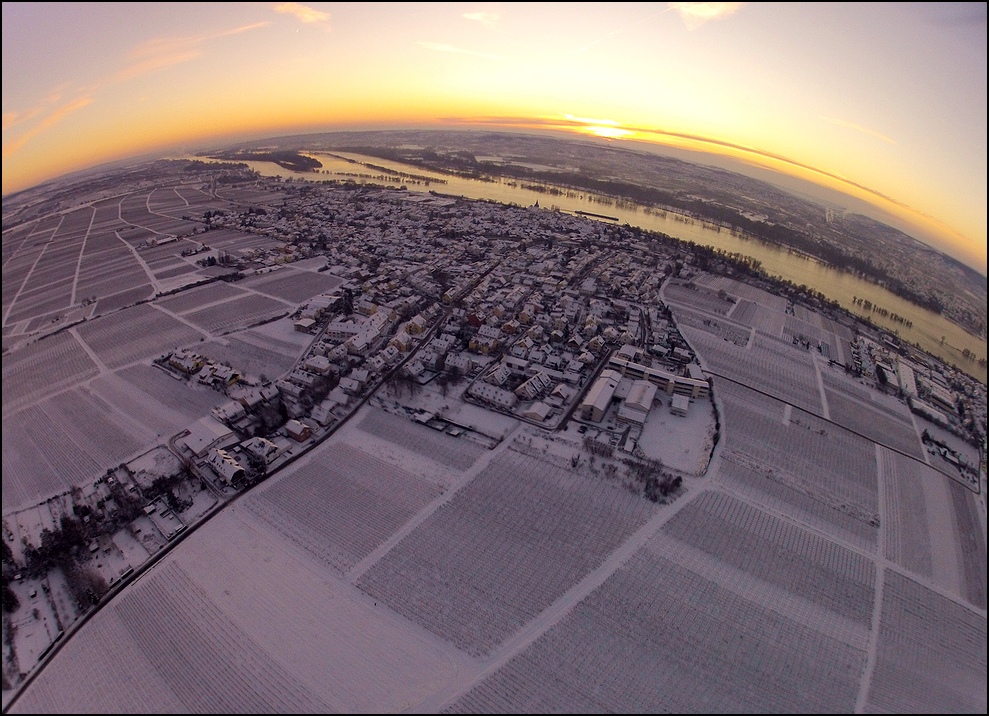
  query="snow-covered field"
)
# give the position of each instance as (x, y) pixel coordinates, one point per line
(931, 655)
(508, 544)
(134, 334)
(447, 450)
(342, 505)
(675, 630)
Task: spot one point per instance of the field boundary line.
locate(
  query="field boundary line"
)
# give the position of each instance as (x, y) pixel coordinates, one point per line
(877, 606)
(564, 604)
(27, 277)
(976, 488)
(82, 251)
(825, 410)
(354, 574)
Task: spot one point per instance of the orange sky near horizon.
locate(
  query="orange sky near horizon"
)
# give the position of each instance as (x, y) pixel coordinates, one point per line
(886, 103)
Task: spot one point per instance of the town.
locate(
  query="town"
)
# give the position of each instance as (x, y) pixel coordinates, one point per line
(313, 303)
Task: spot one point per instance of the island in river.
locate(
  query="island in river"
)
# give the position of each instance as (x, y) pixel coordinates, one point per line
(285, 158)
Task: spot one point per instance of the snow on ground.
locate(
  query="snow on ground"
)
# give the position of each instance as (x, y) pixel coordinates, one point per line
(682, 443)
(271, 612)
(282, 332)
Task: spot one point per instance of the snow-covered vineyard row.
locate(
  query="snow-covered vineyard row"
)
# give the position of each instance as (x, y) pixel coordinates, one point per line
(791, 378)
(183, 634)
(652, 638)
(756, 486)
(42, 369)
(931, 653)
(238, 313)
(421, 440)
(511, 542)
(818, 458)
(342, 507)
(134, 334)
(779, 553)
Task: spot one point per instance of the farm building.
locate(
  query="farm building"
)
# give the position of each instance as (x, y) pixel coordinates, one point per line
(305, 325)
(595, 403)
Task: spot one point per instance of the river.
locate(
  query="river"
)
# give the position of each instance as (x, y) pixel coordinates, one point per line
(934, 333)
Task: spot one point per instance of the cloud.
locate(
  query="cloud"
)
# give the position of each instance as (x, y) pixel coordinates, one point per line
(154, 54)
(56, 116)
(160, 52)
(859, 128)
(695, 14)
(488, 19)
(440, 47)
(303, 13)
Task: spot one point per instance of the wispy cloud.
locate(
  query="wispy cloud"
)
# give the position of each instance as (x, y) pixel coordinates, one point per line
(589, 45)
(154, 54)
(54, 117)
(303, 13)
(695, 14)
(160, 52)
(488, 19)
(859, 128)
(440, 47)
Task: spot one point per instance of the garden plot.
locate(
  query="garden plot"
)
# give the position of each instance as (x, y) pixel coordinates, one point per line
(804, 508)
(342, 504)
(779, 553)
(188, 399)
(817, 458)
(133, 334)
(44, 368)
(681, 443)
(247, 358)
(644, 642)
(931, 653)
(238, 313)
(508, 545)
(296, 286)
(442, 448)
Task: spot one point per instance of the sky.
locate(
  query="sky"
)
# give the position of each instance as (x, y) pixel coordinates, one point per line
(885, 101)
